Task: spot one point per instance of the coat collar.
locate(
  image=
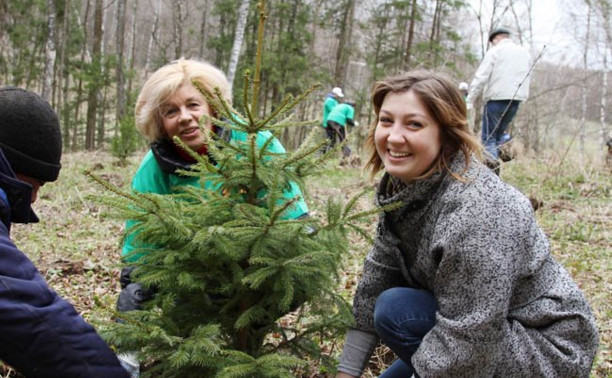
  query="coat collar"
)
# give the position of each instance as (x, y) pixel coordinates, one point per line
(422, 190)
(170, 160)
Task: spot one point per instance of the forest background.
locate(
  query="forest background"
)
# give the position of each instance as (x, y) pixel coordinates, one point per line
(88, 58)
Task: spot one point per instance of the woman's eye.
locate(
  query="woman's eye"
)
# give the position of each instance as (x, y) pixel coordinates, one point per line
(168, 112)
(195, 105)
(385, 120)
(415, 125)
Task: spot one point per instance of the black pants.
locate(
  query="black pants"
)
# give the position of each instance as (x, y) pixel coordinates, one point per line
(337, 134)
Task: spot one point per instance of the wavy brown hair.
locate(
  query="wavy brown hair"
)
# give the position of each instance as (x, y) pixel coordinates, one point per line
(446, 106)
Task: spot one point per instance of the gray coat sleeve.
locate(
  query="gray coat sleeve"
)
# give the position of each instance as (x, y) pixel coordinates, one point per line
(358, 347)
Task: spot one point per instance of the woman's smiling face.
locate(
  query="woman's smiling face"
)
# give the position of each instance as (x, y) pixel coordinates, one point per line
(180, 115)
(407, 138)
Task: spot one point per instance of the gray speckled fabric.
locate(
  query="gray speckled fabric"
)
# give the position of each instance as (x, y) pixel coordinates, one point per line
(506, 307)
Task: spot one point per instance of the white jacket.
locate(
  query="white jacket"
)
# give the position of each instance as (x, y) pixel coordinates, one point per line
(503, 74)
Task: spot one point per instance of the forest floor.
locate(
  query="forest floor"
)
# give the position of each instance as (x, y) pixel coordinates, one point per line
(77, 245)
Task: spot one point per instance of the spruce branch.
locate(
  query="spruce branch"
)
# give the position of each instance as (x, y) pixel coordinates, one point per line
(349, 206)
(288, 103)
(280, 109)
(143, 202)
(301, 154)
(245, 99)
(216, 101)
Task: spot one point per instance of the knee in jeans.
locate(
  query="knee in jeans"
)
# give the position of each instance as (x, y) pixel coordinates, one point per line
(385, 304)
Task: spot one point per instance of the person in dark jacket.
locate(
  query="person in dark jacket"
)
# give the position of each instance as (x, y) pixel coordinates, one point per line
(41, 334)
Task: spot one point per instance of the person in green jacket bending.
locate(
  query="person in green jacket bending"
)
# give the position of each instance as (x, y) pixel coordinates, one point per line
(169, 105)
(339, 117)
(330, 103)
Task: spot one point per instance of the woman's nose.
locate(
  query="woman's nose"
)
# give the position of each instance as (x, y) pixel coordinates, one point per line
(395, 134)
(185, 115)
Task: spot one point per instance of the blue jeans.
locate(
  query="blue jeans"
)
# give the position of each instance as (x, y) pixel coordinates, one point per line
(402, 317)
(497, 116)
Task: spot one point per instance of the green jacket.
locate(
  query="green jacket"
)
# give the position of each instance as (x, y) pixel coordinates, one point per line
(157, 174)
(329, 104)
(342, 114)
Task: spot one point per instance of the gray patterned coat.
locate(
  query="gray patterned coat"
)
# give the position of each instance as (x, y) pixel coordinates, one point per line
(506, 308)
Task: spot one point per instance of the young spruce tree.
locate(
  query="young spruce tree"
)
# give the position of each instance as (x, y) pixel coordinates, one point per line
(227, 267)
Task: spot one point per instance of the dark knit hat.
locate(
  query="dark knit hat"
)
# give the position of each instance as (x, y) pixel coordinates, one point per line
(497, 32)
(30, 135)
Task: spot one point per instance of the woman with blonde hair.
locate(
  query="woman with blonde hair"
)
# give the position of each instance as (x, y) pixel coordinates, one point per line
(460, 281)
(169, 105)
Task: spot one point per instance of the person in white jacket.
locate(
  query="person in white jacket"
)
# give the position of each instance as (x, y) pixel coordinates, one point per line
(503, 79)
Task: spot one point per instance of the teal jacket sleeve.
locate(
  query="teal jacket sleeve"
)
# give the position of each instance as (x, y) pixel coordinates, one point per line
(149, 178)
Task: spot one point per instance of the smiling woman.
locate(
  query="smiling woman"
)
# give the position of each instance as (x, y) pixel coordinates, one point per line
(169, 106)
(181, 113)
(407, 138)
(460, 281)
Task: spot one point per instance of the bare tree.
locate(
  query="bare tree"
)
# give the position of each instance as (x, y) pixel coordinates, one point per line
(604, 96)
(179, 15)
(121, 97)
(238, 38)
(604, 7)
(154, 31)
(85, 57)
(50, 52)
(92, 97)
(346, 25)
(408, 49)
(132, 49)
(203, 29)
(64, 93)
(585, 88)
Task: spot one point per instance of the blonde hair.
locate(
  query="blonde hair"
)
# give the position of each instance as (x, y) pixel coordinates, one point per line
(164, 82)
(446, 106)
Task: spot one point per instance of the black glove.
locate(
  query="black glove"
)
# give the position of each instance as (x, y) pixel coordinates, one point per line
(132, 295)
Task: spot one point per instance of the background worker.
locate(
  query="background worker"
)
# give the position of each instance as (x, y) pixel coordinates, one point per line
(503, 79)
(330, 102)
(340, 116)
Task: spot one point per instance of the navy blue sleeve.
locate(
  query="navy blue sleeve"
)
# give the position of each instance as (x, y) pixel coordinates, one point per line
(41, 334)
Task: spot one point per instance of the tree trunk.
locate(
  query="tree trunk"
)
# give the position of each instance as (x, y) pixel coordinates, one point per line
(603, 101)
(121, 97)
(343, 42)
(92, 97)
(413, 15)
(50, 53)
(85, 57)
(177, 23)
(103, 83)
(154, 27)
(435, 24)
(132, 57)
(585, 85)
(203, 29)
(238, 38)
(605, 10)
(63, 97)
